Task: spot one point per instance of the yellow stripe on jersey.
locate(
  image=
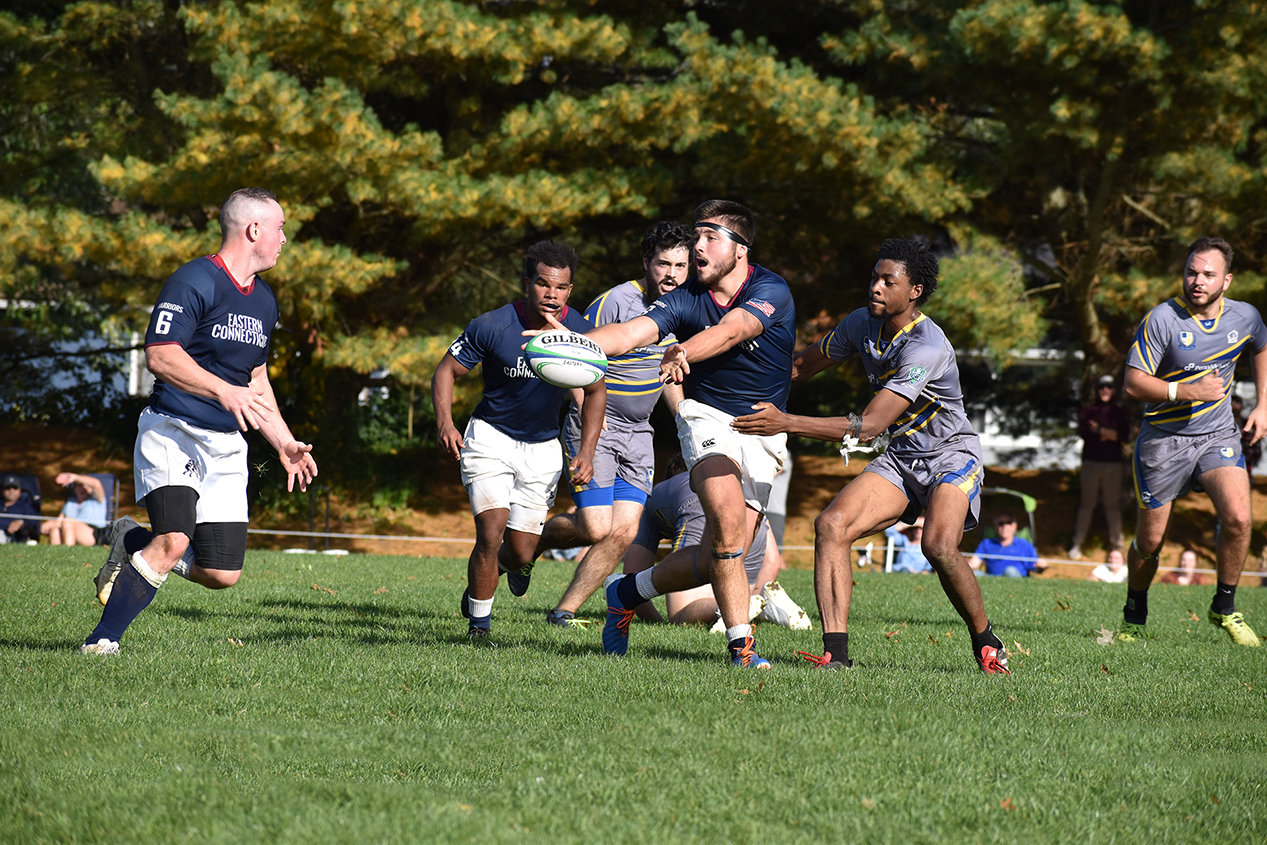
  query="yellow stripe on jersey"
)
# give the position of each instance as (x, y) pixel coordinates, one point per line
(1183, 303)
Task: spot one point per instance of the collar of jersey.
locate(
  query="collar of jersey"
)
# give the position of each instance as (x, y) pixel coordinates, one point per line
(245, 290)
(1183, 303)
(900, 332)
(752, 268)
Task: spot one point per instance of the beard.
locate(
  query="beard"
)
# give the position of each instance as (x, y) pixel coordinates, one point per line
(714, 272)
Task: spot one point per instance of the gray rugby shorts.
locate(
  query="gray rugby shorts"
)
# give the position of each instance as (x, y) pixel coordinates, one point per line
(1168, 465)
(959, 464)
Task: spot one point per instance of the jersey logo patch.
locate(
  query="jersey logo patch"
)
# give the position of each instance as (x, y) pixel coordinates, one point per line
(1233, 336)
(1186, 340)
(915, 375)
(1227, 453)
(764, 307)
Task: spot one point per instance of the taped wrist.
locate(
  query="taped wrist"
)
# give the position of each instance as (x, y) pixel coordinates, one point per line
(855, 426)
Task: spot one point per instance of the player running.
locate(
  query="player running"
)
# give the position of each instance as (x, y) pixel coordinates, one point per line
(736, 329)
(207, 346)
(510, 455)
(609, 504)
(933, 463)
(1182, 365)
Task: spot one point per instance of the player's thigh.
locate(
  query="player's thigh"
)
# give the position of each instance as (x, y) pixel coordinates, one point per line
(593, 522)
(626, 515)
(605, 461)
(1228, 488)
(867, 504)
(948, 508)
(638, 558)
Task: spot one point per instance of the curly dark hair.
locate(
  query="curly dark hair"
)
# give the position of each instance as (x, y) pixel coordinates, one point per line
(664, 236)
(552, 254)
(921, 265)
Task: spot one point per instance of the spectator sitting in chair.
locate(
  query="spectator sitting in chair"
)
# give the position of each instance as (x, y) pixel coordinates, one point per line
(15, 500)
(83, 519)
(1007, 554)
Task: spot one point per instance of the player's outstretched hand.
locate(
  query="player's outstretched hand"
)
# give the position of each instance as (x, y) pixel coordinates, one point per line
(246, 405)
(767, 420)
(582, 470)
(673, 366)
(296, 458)
(554, 324)
(451, 442)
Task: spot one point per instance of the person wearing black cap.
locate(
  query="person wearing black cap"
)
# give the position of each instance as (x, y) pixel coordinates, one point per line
(1103, 426)
(15, 500)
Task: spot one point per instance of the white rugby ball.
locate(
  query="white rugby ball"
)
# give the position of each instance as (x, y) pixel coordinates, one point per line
(565, 359)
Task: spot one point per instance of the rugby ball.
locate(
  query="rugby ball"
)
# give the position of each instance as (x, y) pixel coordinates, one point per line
(565, 359)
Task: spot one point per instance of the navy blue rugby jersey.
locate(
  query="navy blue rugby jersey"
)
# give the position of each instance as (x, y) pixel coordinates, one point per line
(515, 402)
(757, 370)
(226, 329)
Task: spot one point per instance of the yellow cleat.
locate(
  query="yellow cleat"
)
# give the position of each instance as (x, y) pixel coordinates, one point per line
(1131, 632)
(1237, 628)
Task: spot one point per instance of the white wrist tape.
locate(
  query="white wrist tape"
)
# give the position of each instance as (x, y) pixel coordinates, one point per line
(1173, 391)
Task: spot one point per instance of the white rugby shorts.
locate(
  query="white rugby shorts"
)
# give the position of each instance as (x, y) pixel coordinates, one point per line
(499, 471)
(173, 453)
(705, 431)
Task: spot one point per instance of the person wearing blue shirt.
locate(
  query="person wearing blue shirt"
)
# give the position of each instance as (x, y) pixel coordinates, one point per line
(735, 324)
(83, 515)
(510, 454)
(1007, 554)
(208, 347)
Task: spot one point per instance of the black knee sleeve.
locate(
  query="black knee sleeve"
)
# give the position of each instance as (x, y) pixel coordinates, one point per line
(220, 545)
(173, 510)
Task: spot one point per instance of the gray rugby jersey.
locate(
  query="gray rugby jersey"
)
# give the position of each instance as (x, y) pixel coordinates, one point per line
(919, 364)
(1173, 345)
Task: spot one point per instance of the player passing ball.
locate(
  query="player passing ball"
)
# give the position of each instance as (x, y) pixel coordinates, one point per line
(932, 464)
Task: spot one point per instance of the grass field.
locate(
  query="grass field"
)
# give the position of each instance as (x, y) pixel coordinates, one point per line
(337, 700)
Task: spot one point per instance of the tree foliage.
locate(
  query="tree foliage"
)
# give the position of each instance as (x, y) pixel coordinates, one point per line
(1058, 154)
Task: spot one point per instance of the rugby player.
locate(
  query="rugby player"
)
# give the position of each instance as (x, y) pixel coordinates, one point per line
(735, 324)
(207, 346)
(1182, 365)
(510, 456)
(933, 463)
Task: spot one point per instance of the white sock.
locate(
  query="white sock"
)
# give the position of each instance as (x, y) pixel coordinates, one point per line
(183, 565)
(146, 571)
(738, 632)
(480, 607)
(643, 582)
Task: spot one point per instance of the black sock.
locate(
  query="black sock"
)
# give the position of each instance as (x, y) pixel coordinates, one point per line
(1224, 599)
(1136, 610)
(627, 592)
(986, 637)
(837, 645)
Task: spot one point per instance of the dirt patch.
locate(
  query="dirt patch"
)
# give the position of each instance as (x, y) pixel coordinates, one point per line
(444, 513)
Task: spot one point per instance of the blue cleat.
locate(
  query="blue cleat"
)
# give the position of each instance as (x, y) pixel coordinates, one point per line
(616, 628)
(743, 653)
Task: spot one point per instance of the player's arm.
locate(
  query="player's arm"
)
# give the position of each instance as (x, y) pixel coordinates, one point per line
(880, 413)
(295, 456)
(619, 338)
(1144, 387)
(446, 375)
(593, 414)
(809, 362)
(737, 326)
(672, 396)
(171, 363)
(1257, 422)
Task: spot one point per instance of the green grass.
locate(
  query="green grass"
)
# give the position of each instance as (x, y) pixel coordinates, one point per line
(280, 712)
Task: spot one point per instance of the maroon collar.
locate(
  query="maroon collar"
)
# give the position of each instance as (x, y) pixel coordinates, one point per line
(219, 262)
